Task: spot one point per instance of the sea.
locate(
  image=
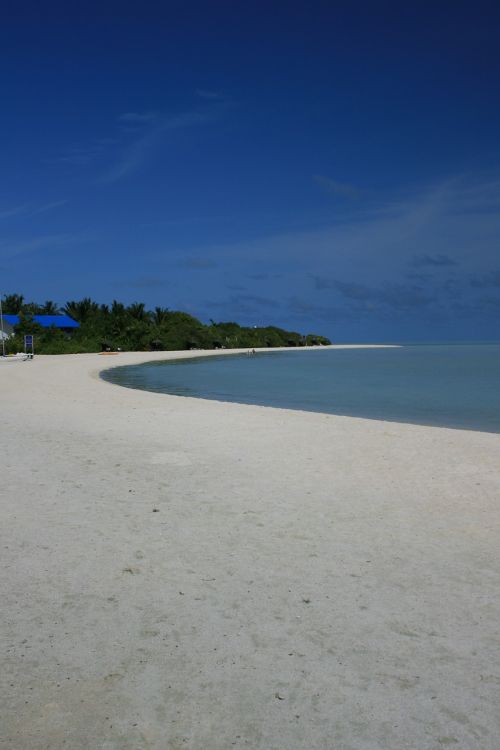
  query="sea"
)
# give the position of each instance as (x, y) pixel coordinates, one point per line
(446, 385)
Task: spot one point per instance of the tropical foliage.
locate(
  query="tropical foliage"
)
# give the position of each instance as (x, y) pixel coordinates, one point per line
(133, 328)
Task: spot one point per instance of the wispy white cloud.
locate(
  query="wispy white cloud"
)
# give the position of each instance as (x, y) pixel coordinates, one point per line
(137, 117)
(384, 236)
(144, 282)
(435, 261)
(82, 154)
(137, 152)
(48, 207)
(197, 264)
(8, 213)
(365, 265)
(209, 94)
(395, 297)
(491, 279)
(243, 304)
(14, 248)
(30, 209)
(339, 189)
(476, 196)
(139, 135)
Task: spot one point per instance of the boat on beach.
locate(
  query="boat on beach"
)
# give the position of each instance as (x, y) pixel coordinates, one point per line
(20, 357)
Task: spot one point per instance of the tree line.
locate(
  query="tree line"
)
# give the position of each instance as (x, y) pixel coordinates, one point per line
(134, 328)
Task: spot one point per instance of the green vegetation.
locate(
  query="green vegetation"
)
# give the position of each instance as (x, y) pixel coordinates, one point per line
(134, 328)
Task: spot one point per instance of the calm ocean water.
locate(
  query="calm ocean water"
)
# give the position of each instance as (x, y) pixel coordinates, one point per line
(446, 385)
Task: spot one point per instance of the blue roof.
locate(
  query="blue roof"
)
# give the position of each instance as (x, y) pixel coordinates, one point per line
(59, 321)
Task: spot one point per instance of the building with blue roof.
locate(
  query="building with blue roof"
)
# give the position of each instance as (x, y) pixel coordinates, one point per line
(64, 322)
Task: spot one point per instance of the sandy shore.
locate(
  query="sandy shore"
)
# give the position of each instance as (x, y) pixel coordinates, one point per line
(180, 573)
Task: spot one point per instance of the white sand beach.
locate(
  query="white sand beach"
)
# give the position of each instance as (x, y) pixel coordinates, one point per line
(181, 573)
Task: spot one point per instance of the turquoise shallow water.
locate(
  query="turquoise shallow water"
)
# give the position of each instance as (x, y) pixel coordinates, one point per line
(446, 385)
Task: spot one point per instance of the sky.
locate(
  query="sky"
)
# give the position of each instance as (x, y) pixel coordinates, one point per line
(328, 167)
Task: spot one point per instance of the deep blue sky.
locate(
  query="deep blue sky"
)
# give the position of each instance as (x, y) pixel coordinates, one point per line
(328, 167)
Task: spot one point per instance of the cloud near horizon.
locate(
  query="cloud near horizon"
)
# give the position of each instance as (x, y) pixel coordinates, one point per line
(437, 261)
(487, 280)
(197, 264)
(245, 304)
(357, 269)
(144, 282)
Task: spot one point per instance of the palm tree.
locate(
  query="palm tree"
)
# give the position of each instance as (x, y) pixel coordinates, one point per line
(30, 308)
(137, 310)
(13, 304)
(49, 308)
(117, 309)
(81, 310)
(160, 315)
